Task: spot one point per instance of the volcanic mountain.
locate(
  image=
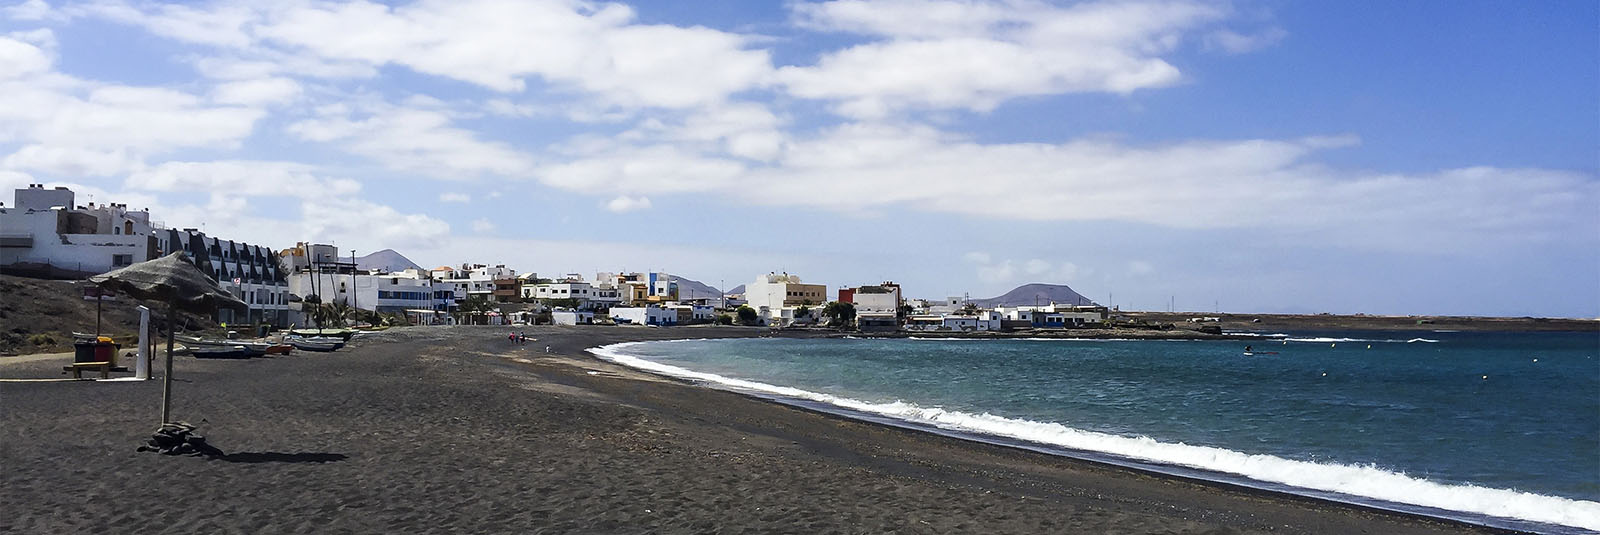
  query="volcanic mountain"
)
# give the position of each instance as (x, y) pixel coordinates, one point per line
(1036, 293)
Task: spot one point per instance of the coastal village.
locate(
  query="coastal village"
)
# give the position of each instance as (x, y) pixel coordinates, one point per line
(46, 232)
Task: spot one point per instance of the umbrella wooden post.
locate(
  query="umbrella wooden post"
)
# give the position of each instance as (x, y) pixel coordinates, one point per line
(166, 379)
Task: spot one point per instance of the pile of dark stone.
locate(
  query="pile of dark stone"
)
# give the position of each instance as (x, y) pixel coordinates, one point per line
(178, 438)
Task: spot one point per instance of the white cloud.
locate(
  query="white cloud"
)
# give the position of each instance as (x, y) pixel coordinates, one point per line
(482, 225)
(455, 197)
(32, 10)
(974, 55)
(19, 58)
(354, 220)
(654, 169)
(69, 127)
(591, 49)
(241, 177)
(110, 116)
(257, 92)
(71, 161)
(215, 24)
(1238, 43)
(992, 271)
(625, 203)
(413, 139)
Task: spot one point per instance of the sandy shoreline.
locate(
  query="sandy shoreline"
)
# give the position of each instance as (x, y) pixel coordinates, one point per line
(457, 430)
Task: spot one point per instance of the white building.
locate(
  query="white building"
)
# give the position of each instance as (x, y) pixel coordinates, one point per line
(632, 288)
(472, 280)
(45, 233)
(1055, 316)
(691, 313)
(878, 298)
(251, 273)
(645, 315)
(982, 320)
(318, 272)
(571, 317)
(777, 298)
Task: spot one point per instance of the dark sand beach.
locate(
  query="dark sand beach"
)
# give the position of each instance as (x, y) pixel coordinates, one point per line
(421, 430)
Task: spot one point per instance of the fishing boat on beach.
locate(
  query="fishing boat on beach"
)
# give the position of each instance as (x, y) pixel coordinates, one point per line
(341, 334)
(220, 352)
(251, 349)
(314, 343)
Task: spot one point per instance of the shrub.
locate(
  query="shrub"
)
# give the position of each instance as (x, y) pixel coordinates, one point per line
(42, 339)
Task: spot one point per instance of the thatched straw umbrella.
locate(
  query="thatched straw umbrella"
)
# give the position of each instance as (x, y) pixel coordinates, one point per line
(175, 280)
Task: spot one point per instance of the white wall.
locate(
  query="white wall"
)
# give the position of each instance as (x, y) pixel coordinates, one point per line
(571, 317)
(89, 253)
(647, 315)
(884, 302)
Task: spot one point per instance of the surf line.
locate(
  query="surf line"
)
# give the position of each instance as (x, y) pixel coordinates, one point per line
(1365, 485)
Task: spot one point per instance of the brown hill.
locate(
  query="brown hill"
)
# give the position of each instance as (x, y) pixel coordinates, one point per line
(39, 316)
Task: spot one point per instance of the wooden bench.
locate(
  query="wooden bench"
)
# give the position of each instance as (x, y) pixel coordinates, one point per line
(105, 369)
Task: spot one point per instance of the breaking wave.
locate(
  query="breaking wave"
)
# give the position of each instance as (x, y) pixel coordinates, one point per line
(1364, 481)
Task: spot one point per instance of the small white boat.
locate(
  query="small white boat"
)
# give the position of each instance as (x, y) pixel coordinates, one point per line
(314, 343)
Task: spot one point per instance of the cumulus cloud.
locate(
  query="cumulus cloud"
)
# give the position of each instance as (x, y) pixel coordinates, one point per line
(1238, 43)
(355, 220)
(974, 55)
(71, 161)
(455, 197)
(257, 92)
(482, 225)
(596, 50)
(241, 177)
(412, 138)
(628, 204)
(636, 170)
(998, 271)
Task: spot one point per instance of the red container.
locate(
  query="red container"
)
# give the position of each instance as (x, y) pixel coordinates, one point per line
(105, 352)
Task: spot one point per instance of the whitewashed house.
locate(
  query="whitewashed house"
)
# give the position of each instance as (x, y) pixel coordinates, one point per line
(644, 315)
(45, 233)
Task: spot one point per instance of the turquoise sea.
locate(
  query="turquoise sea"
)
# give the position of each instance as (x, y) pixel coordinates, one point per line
(1495, 428)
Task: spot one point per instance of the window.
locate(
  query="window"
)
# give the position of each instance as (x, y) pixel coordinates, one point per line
(119, 260)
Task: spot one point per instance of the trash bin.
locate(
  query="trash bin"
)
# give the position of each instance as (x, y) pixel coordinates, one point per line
(83, 351)
(105, 350)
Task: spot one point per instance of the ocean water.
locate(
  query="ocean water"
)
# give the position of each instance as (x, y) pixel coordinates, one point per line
(1499, 428)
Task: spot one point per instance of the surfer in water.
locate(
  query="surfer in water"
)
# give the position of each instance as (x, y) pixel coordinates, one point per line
(1246, 349)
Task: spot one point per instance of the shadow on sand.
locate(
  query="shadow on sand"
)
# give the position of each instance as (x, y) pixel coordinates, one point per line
(276, 457)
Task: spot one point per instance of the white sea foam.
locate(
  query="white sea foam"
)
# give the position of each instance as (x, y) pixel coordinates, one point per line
(1356, 480)
(1325, 340)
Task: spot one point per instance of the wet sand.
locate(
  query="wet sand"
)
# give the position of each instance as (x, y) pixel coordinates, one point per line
(457, 430)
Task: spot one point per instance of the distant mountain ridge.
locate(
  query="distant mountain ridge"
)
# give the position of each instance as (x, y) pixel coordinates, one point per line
(387, 260)
(693, 289)
(1036, 293)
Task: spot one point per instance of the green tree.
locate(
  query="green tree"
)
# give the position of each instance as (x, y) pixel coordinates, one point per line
(472, 307)
(565, 302)
(747, 315)
(839, 314)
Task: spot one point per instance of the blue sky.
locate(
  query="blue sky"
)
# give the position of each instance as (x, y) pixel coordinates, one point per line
(1376, 157)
